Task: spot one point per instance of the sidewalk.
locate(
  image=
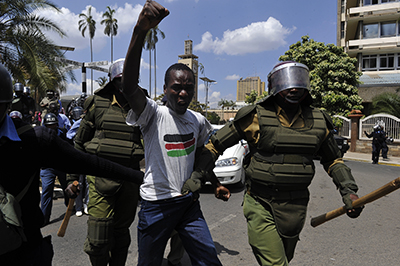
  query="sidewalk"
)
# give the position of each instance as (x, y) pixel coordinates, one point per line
(367, 157)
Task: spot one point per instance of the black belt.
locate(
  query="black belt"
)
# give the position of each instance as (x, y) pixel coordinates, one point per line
(272, 192)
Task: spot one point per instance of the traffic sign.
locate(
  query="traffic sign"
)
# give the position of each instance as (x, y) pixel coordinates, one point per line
(67, 61)
(98, 63)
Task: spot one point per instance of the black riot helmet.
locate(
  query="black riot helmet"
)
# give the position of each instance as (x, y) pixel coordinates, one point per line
(77, 112)
(287, 75)
(18, 87)
(6, 87)
(50, 119)
(27, 90)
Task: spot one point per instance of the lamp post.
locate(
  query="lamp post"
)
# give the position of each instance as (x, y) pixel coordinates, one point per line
(207, 83)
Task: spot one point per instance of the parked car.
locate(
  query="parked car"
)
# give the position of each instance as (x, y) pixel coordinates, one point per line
(229, 166)
(342, 143)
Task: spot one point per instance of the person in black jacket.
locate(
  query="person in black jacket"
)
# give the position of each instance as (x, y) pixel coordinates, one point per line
(36, 147)
(378, 141)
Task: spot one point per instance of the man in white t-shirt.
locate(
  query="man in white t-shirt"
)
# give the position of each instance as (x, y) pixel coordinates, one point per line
(171, 134)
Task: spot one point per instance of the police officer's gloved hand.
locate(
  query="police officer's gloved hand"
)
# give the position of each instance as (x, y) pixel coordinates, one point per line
(193, 184)
(348, 201)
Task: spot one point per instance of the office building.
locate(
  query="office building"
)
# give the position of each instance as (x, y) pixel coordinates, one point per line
(245, 86)
(369, 30)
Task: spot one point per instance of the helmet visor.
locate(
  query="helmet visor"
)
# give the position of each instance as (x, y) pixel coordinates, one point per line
(116, 69)
(288, 76)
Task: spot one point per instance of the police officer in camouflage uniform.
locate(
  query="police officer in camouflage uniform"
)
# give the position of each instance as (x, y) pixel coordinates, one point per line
(46, 101)
(112, 205)
(284, 133)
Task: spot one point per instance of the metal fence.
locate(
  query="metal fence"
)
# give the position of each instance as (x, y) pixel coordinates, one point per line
(390, 123)
(346, 127)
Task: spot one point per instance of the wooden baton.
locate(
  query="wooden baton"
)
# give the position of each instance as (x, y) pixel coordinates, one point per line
(70, 209)
(372, 196)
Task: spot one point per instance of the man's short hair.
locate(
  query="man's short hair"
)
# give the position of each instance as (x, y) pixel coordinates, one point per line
(177, 66)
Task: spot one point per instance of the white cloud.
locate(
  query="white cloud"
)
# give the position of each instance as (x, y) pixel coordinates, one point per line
(232, 77)
(68, 22)
(215, 95)
(254, 38)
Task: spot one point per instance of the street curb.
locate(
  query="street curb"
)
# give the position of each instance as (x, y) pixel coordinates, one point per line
(364, 160)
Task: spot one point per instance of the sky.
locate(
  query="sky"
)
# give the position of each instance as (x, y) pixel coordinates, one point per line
(233, 39)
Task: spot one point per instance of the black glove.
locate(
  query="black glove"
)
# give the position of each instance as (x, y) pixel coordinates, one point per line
(350, 211)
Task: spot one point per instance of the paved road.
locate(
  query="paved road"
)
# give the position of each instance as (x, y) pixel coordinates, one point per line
(373, 239)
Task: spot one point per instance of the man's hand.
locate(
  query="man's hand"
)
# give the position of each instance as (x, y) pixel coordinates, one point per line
(151, 15)
(72, 191)
(222, 193)
(353, 213)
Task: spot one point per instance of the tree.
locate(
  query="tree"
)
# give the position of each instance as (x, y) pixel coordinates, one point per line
(111, 28)
(225, 103)
(253, 97)
(24, 48)
(88, 23)
(197, 106)
(387, 102)
(150, 44)
(333, 75)
(102, 81)
(213, 118)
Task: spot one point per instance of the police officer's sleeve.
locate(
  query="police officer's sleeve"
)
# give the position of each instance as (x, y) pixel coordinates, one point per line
(71, 160)
(224, 138)
(335, 167)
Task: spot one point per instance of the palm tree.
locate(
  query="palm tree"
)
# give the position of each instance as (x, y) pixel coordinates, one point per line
(150, 44)
(388, 102)
(225, 103)
(102, 81)
(88, 23)
(25, 50)
(111, 28)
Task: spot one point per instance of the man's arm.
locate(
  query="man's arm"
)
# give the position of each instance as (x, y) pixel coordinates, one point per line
(150, 16)
(340, 173)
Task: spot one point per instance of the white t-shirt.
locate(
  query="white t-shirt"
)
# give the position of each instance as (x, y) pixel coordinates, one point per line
(170, 141)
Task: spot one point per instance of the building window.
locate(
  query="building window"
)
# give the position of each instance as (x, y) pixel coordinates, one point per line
(381, 62)
(388, 29)
(342, 9)
(342, 29)
(371, 31)
(376, 2)
(386, 61)
(369, 62)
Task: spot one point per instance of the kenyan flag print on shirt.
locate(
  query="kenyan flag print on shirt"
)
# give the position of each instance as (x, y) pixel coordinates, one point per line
(179, 145)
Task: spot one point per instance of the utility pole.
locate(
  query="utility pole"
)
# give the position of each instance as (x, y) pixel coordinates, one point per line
(207, 83)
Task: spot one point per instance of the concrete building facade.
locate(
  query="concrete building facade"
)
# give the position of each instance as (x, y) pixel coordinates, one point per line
(245, 86)
(369, 30)
(191, 60)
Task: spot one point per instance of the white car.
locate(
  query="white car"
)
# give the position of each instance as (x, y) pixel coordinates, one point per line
(229, 166)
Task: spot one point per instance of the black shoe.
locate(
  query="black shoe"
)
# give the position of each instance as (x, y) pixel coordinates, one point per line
(374, 162)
